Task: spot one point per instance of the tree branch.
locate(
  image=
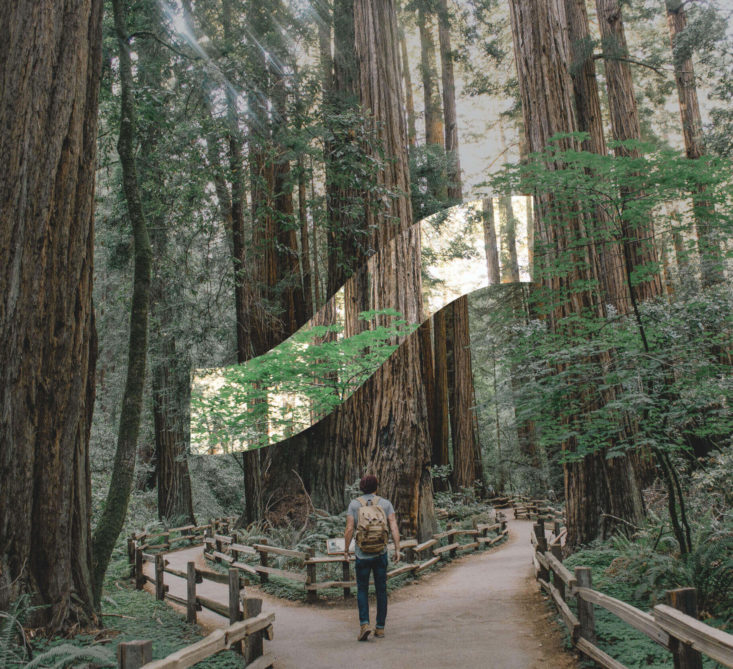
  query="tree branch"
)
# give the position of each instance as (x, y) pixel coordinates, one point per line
(625, 59)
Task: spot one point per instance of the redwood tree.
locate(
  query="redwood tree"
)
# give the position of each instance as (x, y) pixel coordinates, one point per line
(594, 485)
(50, 64)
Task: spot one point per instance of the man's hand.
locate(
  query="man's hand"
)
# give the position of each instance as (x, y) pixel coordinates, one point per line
(397, 556)
(346, 555)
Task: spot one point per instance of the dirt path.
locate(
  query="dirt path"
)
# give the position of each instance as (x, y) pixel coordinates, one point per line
(482, 611)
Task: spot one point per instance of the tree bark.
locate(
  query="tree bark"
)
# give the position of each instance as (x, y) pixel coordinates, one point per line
(637, 240)
(510, 261)
(594, 484)
(467, 469)
(115, 509)
(50, 66)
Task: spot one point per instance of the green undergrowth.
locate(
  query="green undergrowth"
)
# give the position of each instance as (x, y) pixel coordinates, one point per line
(640, 569)
(127, 615)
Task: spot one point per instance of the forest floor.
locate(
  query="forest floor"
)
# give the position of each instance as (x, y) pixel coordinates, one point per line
(484, 610)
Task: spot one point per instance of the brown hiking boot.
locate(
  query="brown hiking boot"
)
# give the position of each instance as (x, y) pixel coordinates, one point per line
(379, 633)
(364, 632)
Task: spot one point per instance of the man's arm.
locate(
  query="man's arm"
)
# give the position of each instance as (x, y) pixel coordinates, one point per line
(392, 519)
(348, 534)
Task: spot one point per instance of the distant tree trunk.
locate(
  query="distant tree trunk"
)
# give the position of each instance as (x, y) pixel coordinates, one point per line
(593, 485)
(170, 366)
(48, 126)
(113, 515)
(590, 120)
(711, 255)
(171, 398)
(409, 97)
(455, 189)
(638, 240)
(441, 442)
(492, 251)
(429, 74)
(510, 261)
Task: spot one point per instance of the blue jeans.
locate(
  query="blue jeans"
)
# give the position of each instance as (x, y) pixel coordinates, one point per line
(378, 564)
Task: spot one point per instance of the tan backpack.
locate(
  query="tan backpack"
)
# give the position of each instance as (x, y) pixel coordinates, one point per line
(371, 526)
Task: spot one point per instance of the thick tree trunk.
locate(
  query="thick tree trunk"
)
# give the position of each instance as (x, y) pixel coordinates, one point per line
(594, 484)
(463, 422)
(638, 240)
(50, 65)
(115, 509)
(711, 255)
(455, 189)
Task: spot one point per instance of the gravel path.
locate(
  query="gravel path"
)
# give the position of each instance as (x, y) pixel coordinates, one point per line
(484, 610)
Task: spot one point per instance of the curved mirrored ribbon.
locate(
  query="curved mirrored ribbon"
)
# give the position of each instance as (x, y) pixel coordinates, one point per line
(300, 381)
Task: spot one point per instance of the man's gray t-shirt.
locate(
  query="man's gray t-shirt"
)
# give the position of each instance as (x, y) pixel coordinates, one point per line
(353, 509)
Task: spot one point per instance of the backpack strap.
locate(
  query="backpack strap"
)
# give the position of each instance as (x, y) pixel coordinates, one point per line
(362, 501)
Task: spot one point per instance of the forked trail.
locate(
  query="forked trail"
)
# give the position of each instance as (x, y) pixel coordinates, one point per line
(482, 611)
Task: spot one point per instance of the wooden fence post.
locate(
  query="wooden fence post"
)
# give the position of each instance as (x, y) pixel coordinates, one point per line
(556, 528)
(263, 561)
(134, 654)
(685, 657)
(191, 592)
(556, 551)
(310, 577)
(139, 575)
(131, 550)
(539, 531)
(346, 573)
(232, 552)
(159, 573)
(586, 614)
(253, 646)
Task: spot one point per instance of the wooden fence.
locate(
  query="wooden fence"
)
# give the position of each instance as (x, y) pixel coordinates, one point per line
(244, 636)
(673, 626)
(227, 549)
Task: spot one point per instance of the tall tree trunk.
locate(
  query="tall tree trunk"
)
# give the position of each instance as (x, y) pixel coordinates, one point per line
(455, 189)
(594, 484)
(429, 74)
(391, 429)
(638, 240)
(115, 509)
(590, 120)
(409, 96)
(711, 254)
(48, 126)
(441, 443)
(170, 367)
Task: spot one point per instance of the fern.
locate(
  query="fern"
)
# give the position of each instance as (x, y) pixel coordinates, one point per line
(67, 655)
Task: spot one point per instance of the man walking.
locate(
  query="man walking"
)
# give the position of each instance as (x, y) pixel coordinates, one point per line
(370, 515)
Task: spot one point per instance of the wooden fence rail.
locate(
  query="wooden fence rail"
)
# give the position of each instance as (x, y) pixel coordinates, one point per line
(225, 549)
(673, 626)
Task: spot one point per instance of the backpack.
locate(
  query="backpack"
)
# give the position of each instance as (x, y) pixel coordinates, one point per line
(371, 526)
